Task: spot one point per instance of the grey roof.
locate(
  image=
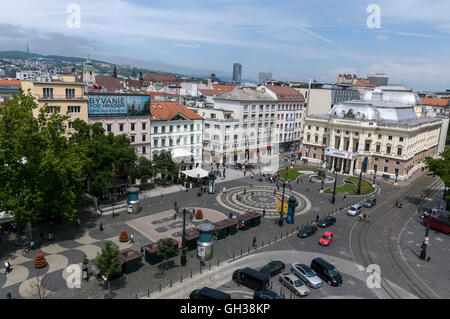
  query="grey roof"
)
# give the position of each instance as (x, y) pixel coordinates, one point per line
(246, 95)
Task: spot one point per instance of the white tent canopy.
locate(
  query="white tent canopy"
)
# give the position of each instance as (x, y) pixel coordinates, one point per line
(196, 172)
(180, 154)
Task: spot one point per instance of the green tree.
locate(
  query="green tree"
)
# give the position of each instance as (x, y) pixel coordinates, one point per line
(144, 169)
(107, 156)
(166, 250)
(40, 172)
(441, 167)
(164, 164)
(108, 261)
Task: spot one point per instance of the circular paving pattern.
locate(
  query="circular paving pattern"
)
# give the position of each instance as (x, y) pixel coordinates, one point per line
(262, 197)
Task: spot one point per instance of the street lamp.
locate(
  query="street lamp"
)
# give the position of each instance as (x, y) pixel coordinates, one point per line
(396, 176)
(363, 166)
(280, 222)
(423, 253)
(333, 199)
(183, 240)
(374, 176)
(321, 188)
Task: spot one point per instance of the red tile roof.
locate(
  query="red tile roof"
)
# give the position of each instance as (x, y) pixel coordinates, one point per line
(286, 93)
(209, 92)
(108, 82)
(436, 102)
(223, 88)
(169, 110)
(160, 78)
(363, 83)
(10, 82)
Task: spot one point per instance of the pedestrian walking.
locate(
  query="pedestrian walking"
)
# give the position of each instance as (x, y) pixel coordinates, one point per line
(364, 216)
(7, 267)
(275, 192)
(175, 205)
(132, 238)
(264, 212)
(396, 203)
(360, 217)
(9, 294)
(368, 220)
(297, 181)
(317, 218)
(101, 226)
(253, 194)
(301, 180)
(344, 198)
(254, 242)
(175, 215)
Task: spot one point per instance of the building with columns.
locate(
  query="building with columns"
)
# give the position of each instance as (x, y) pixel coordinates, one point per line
(383, 127)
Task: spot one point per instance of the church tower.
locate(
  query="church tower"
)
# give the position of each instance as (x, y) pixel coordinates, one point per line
(88, 72)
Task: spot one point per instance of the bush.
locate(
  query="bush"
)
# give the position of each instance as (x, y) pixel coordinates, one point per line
(123, 236)
(39, 261)
(199, 214)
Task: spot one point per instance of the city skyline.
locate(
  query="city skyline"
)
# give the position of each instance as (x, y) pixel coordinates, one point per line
(298, 41)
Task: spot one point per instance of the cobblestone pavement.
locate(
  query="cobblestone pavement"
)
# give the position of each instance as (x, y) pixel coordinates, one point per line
(72, 244)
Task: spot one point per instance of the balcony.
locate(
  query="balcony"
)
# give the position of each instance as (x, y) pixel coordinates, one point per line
(62, 98)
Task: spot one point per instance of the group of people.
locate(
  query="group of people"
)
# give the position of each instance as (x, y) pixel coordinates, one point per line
(364, 217)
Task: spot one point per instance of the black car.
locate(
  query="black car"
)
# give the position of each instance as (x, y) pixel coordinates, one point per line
(326, 271)
(326, 221)
(266, 294)
(307, 231)
(208, 293)
(273, 268)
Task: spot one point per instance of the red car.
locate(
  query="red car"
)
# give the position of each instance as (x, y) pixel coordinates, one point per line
(326, 238)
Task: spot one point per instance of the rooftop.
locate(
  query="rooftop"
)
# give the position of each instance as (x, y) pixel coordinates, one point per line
(246, 95)
(165, 111)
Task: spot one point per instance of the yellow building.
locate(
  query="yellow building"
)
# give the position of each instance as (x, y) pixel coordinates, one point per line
(65, 98)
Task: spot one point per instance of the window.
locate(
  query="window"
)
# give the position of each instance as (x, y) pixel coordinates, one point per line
(192, 127)
(70, 93)
(74, 109)
(132, 126)
(378, 148)
(155, 143)
(48, 92)
(108, 127)
(316, 138)
(379, 136)
(386, 161)
(401, 139)
(132, 137)
(144, 150)
(163, 142)
(53, 109)
(170, 142)
(375, 168)
(396, 171)
(324, 140)
(388, 149)
(390, 138)
(385, 169)
(155, 130)
(144, 137)
(308, 137)
(397, 162)
(143, 126)
(367, 147)
(121, 127)
(70, 125)
(399, 151)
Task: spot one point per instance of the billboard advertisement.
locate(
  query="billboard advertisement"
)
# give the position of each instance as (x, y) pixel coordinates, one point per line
(118, 105)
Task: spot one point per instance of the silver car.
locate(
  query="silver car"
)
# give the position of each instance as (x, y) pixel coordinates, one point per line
(354, 210)
(294, 284)
(306, 274)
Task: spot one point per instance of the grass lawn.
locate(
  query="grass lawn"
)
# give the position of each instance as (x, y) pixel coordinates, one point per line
(351, 187)
(292, 175)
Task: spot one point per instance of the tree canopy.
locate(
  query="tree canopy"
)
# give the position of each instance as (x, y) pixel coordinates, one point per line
(108, 261)
(441, 167)
(41, 175)
(164, 164)
(144, 169)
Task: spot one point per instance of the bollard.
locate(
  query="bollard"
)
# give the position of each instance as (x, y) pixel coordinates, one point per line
(159, 287)
(148, 292)
(191, 273)
(209, 266)
(270, 284)
(262, 244)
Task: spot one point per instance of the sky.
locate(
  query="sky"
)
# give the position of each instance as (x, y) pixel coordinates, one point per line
(296, 40)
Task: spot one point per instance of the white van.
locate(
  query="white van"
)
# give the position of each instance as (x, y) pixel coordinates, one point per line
(354, 210)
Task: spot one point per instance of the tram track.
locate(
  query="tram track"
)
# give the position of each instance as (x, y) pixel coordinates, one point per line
(361, 232)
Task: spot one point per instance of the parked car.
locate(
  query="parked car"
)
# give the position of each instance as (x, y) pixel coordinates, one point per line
(208, 293)
(326, 238)
(354, 210)
(326, 271)
(294, 284)
(266, 294)
(370, 202)
(307, 231)
(306, 274)
(326, 221)
(273, 268)
(250, 278)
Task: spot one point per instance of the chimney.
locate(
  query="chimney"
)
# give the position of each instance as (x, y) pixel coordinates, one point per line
(115, 72)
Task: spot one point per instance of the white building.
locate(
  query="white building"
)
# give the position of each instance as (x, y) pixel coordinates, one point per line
(175, 128)
(240, 128)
